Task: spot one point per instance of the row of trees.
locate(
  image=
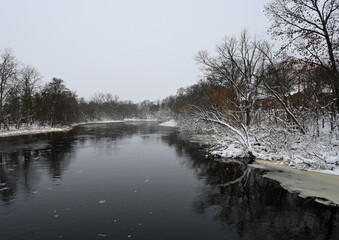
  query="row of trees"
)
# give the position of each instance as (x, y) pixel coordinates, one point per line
(246, 86)
(24, 99)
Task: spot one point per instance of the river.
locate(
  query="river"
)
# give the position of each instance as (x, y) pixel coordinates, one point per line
(142, 181)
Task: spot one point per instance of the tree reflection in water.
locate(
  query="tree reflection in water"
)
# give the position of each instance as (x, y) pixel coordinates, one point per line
(54, 152)
(240, 198)
(18, 154)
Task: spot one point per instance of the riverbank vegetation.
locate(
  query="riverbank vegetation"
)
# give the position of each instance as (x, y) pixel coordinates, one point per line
(25, 101)
(256, 99)
(268, 104)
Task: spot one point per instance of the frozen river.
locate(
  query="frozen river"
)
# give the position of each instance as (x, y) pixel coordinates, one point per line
(142, 181)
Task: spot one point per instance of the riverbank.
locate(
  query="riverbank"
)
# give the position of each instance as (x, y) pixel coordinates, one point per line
(307, 153)
(170, 123)
(323, 187)
(35, 129)
(320, 184)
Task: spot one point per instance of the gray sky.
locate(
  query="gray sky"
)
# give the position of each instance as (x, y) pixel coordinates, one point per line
(136, 49)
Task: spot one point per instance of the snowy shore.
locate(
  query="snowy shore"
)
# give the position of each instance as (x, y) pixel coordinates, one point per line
(171, 123)
(320, 184)
(319, 157)
(323, 187)
(32, 131)
(35, 129)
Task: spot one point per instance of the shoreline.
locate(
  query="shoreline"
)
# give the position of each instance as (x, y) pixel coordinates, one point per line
(319, 185)
(36, 130)
(230, 150)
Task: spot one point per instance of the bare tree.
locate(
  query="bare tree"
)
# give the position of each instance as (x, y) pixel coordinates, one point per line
(311, 27)
(236, 67)
(8, 73)
(28, 83)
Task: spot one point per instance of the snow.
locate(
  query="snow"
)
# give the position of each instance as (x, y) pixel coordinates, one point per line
(170, 123)
(140, 120)
(312, 152)
(35, 129)
(31, 131)
(305, 183)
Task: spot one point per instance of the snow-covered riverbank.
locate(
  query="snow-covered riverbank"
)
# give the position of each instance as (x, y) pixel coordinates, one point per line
(171, 123)
(323, 187)
(320, 156)
(35, 129)
(32, 131)
(321, 184)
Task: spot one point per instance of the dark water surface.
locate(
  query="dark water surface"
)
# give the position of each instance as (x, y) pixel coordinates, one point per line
(141, 181)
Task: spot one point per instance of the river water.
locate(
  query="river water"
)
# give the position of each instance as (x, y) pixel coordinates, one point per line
(142, 181)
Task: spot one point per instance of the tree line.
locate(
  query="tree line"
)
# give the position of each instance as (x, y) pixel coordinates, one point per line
(25, 100)
(268, 97)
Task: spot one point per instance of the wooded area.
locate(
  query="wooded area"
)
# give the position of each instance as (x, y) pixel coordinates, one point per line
(249, 90)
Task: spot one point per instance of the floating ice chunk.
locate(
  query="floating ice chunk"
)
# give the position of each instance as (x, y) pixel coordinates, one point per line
(102, 201)
(101, 235)
(147, 180)
(56, 215)
(129, 236)
(4, 188)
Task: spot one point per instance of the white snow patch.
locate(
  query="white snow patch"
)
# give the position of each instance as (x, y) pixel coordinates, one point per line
(36, 129)
(140, 120)
(31, 131)
(305, 183)
(306, 152)
(170, 123)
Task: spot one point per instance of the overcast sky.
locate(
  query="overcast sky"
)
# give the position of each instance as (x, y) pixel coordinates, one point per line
(136, 49)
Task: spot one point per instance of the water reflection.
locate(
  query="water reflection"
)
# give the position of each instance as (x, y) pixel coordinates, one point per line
(54, 152)
(240, 198)
(18, 154)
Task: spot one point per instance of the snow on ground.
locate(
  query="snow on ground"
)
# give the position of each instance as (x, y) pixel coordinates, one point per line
(35, 129)
(96, 122)
(320, 154)
(170, 123)
(140, 120)
(305, 183)
(32, 131)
